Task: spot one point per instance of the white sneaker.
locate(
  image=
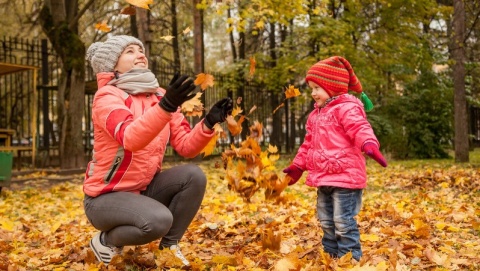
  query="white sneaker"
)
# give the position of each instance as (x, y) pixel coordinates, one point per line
(103, 253)
(178, 254)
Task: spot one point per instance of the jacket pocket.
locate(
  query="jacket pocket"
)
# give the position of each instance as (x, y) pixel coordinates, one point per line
(336, 161)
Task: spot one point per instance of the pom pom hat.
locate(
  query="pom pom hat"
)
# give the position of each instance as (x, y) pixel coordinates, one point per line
(103, 56)
(335, 75)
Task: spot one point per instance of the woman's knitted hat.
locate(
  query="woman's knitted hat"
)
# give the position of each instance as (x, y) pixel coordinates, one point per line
(103, 56)
(335, 75)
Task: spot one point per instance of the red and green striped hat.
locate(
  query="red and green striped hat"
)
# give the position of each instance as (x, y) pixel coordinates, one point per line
(336, 76)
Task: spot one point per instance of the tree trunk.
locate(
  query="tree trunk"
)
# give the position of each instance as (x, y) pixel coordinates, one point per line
(457, 50)
(142, 22)
(198, 50)
(63, 35)
(176, 47)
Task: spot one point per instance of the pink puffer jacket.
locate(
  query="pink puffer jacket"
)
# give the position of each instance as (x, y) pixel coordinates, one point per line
(130, 137)
(331, 151)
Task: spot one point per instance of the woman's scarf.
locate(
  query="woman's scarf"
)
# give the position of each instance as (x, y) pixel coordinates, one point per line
(136, 81)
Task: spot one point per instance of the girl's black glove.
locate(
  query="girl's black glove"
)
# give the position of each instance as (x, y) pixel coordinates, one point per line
(179, 91)
(219, 112)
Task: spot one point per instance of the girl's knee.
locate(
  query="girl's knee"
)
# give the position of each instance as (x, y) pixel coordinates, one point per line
(196, 174)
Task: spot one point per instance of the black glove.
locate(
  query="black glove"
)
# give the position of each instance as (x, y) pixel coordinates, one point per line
(178, 91)
(219, 112)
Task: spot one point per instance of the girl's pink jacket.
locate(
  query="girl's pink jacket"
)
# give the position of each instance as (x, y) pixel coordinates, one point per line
(130, 137)
(332, 149)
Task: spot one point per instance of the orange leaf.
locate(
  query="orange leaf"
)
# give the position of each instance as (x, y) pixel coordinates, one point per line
(252, 109)
(252, 65)
(129, 10)
(204, 80)
(234, 127)
(291, 91)
(102, 26)
(141, 3)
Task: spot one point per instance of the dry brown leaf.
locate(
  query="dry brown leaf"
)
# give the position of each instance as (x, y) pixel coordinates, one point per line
(278, 107)
(129, 10)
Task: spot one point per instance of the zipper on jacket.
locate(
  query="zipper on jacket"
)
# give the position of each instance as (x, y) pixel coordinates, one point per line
(115, 165)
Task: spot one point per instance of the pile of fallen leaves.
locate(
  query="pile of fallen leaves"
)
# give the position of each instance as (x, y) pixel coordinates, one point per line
(415, 216)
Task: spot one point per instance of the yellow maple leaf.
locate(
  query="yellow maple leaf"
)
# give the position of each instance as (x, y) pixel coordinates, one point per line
(237, 110)
(204, 80)
(210, 147)
(141, 3)
(291, 92)
(234, 127)
(193, 107)
(253, 63)
(103, 26)
(272, 149)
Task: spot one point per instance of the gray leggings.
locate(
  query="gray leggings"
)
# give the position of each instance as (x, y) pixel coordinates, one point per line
(165, 209)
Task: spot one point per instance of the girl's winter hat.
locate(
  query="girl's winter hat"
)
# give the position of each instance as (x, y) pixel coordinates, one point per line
(103, 56)
(335, 75)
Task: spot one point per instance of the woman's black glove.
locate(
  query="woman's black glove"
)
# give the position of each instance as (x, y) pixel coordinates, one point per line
(219, 112)
(178, 91)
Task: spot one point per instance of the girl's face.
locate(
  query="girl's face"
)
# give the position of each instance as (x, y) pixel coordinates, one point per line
(318, 93)
(132, 57)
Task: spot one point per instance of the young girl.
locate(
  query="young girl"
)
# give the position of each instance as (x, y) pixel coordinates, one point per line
(337, 133)
(128, 197)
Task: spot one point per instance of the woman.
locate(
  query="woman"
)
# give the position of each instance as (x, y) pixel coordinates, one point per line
(128, 198)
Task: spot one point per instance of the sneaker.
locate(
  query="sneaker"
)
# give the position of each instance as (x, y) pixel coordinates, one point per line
(103, 253)
(176, 251)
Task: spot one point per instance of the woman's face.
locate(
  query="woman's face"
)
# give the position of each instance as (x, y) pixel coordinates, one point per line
(318, 93)
(132, 57)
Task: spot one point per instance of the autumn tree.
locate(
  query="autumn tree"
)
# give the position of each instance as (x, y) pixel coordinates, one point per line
(59, 20)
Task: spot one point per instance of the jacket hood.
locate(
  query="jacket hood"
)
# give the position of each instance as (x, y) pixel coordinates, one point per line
(103, 78)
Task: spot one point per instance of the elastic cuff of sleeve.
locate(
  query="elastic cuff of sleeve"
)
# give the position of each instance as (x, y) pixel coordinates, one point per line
(167, 106)
(209, 126)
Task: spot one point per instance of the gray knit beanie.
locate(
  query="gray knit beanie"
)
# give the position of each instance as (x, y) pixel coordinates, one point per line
(103, 56)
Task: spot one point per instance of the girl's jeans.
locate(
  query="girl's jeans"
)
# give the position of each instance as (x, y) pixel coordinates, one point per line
(336, 209)
(165, 209)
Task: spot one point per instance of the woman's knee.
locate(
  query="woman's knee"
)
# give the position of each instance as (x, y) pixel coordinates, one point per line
(158, 226)
(196, 175)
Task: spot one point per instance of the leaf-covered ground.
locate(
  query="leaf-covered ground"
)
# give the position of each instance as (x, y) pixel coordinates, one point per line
(416, 215)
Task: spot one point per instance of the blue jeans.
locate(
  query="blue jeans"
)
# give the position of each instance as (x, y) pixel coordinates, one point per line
(336, 210)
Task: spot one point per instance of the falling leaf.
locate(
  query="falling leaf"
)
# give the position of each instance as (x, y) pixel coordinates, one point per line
(272, 149)
(204, 80)
(210, 147)
(235, 127)
(102, 26)
(278, 107)
(291, 91)
(167, 38)
(129, 10)
(236, 111)
(252, 66)
(252, 109)
(141, 3)
(186, 30)
(256, 131)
